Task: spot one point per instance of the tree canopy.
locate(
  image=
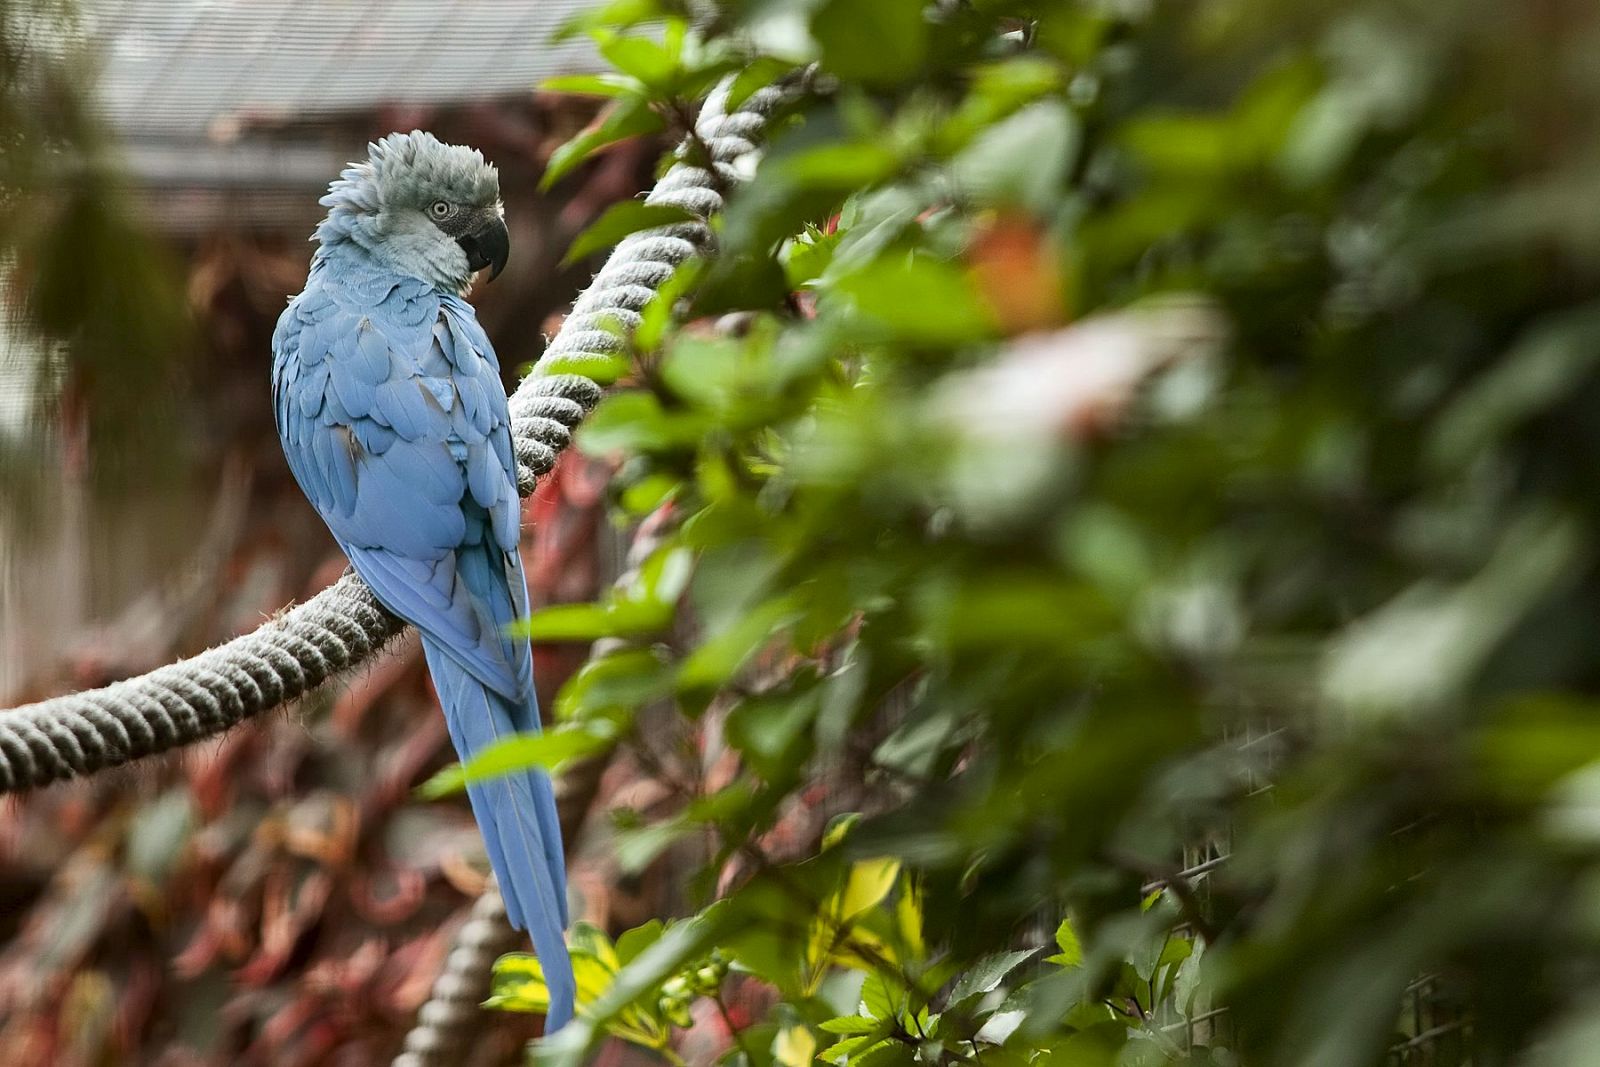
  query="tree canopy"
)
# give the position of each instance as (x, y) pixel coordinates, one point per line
(1128, 469)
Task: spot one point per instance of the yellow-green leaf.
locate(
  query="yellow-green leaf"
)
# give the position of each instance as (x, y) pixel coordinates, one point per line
(794, 1046)
(519, 985)
(592, 976)
(908, 919)
(1071, 954)
(869, 882)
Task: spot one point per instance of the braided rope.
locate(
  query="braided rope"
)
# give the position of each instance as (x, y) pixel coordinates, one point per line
(452, 1016)
(344, 625)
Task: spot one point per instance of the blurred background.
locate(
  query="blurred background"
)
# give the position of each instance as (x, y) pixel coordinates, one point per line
(1147, 473)
(160, 167)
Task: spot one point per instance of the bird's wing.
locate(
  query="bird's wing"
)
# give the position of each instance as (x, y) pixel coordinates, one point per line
(395, 424)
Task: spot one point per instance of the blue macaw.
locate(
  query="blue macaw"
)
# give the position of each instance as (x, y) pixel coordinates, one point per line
(393, 416)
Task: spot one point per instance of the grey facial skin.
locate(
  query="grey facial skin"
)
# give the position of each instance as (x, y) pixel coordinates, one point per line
(482, 235)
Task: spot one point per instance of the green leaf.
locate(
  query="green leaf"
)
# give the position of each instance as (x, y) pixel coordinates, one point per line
(882, 43)
(849, 1048)
(705, 370)
(519, 752)
(839, 828)
(1097, 1046)
(1176, 951)
(759, 73)
(795, 1046)
(850, 1024)
(659, 311)
(913, 748)
(589, 84)
(805, 258)
(881, 997)
(1191, 146)
(618, 617)
(664, 957)
(518, 985)
(649, 493)
(769, 729)
(720, 657)
(623, 219)
(637, 849)
(998, 90)
(603, 368)
(663, 576)
(887, 1054)
(617, 682)
(1022, 161)
(628, 117)
(653, 63)
(868, 883)
(988, 973)
(612, 14)
(1542, 367)
(635, 941)
(838, 166)
(918, 300)
(1075, 34)
(569, 622)
(637, 421)
(1186, 983)
(1071, 954)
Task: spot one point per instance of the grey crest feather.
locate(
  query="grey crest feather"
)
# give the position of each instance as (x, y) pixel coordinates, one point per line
(412, 170)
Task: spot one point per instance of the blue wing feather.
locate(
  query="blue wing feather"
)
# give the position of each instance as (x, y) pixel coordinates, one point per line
(394, 421)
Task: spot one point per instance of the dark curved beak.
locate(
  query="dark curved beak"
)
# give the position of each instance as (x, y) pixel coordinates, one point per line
(487, 246)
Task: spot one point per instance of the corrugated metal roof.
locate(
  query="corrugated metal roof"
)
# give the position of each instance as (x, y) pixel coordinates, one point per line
(195, 68)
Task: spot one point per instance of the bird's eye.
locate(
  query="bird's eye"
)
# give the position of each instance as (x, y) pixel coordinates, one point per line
(439, 209)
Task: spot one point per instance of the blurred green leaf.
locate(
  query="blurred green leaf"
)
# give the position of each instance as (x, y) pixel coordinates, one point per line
(627, 117)
(520, 752)
(758, 74)
(619, 221)
(920, 301)
(589, 84)
(1021, 160)
(878, 44)
(652, 62)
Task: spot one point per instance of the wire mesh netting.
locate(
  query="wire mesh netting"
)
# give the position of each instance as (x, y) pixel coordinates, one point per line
(1430, 1029)
(186, 68)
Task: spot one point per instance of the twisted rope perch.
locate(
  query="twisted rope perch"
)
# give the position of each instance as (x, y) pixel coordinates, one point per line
(344, 625)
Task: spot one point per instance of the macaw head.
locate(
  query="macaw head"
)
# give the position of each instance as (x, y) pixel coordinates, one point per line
(421, 207)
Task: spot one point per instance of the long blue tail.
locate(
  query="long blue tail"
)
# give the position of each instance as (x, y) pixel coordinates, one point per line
(517, 815)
